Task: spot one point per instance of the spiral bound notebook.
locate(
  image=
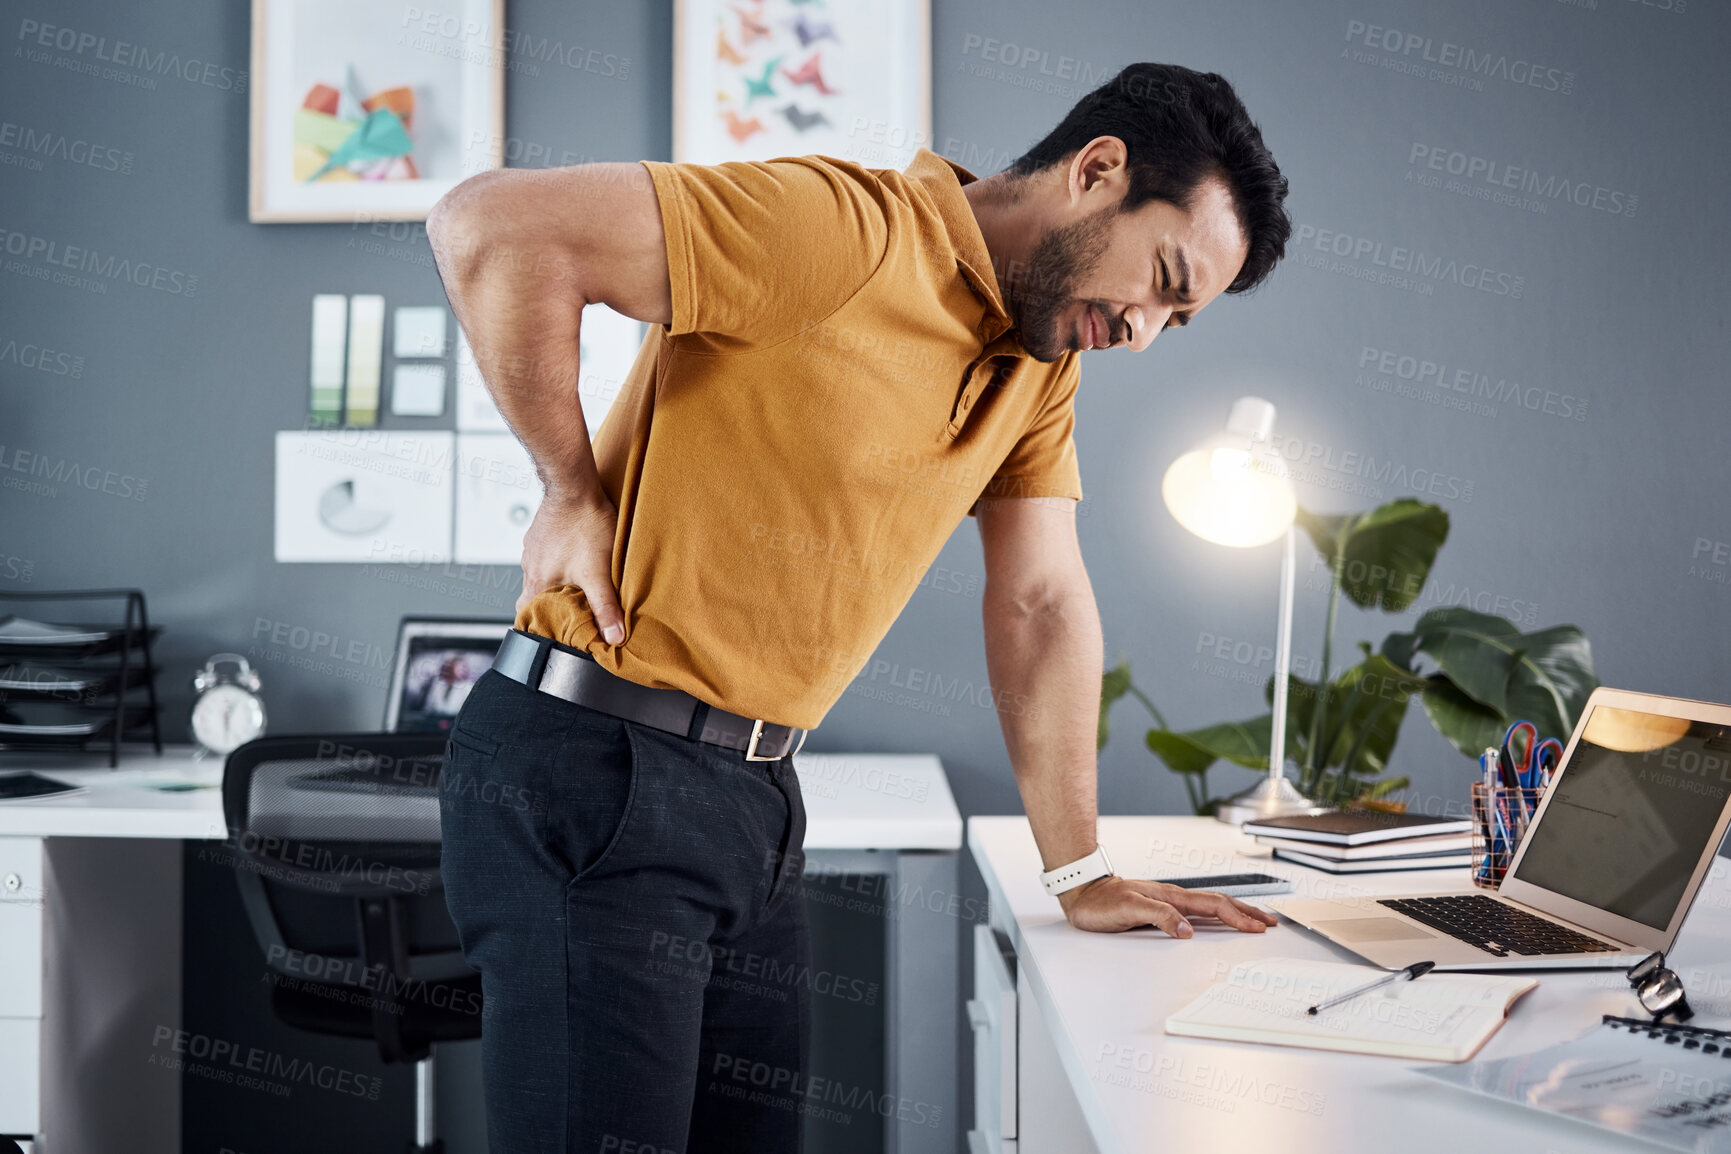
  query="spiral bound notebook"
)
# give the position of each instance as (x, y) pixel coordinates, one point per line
(1665, 1084)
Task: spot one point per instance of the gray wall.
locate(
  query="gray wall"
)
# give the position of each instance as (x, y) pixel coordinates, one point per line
(1609, 521)
(1595, 520)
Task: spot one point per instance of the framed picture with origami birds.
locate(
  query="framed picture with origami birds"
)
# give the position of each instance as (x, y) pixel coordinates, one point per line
(365, 110)
(757, 79)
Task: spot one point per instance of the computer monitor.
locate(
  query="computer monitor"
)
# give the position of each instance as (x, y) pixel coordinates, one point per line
(437, 663)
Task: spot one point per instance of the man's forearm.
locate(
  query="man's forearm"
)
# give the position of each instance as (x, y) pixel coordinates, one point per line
(1044, 657)
(518, 305)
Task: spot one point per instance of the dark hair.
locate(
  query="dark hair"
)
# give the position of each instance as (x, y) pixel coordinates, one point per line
(1180, 127)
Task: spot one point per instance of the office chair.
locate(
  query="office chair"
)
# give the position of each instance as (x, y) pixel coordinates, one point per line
(335, 842)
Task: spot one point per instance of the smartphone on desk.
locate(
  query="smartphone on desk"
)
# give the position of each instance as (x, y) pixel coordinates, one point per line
(1232, 885)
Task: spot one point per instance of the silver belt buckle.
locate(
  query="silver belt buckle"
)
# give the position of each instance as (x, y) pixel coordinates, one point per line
(757, 732)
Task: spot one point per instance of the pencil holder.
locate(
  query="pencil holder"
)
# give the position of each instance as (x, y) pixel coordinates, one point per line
(1500, 818)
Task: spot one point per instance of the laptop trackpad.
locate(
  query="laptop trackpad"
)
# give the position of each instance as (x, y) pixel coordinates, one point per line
(1371, 930)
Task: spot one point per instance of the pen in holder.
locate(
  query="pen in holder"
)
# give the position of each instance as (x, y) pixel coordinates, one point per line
(1500, 817)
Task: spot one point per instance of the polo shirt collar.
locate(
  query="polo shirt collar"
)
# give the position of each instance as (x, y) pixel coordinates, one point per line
(943, 178)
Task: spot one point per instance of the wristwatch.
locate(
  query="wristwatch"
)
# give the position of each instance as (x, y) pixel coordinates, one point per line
(1078, 873)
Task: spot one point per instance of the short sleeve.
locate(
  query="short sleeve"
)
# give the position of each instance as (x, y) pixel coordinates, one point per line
(758, 251)
(1043, 461)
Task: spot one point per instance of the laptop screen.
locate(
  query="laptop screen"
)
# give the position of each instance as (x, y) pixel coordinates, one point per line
(1631, 814)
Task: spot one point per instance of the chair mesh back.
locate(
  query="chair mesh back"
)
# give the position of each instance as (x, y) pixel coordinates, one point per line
(350, 814)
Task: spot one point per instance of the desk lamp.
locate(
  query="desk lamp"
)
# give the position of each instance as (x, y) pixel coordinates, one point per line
(1235, 489)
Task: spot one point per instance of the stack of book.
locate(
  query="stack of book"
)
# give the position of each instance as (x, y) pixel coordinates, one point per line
(1367, 841)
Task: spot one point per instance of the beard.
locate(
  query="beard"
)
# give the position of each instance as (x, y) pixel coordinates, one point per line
(1046, 288)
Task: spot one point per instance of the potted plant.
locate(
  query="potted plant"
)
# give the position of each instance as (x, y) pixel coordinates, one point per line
(1475, 673)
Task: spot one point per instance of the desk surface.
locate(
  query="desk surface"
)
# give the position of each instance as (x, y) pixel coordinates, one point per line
(853, 801)
(1105, 996)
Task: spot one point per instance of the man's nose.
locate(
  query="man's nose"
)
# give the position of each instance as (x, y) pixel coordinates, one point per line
(1142, 325)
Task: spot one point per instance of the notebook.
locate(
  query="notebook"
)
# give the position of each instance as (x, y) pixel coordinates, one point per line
(1357, 827)
(1439, 1017)
(1405, 847)
(1668, 1084)
(1430, 861)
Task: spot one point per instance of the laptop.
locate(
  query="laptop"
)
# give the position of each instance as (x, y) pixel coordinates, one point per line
(1621, 842)
(438, 661)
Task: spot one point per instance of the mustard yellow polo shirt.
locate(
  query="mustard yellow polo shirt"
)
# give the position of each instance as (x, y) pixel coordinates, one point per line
(839, 384)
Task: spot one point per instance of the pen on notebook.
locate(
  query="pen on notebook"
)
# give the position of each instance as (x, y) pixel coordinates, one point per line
(1416, 970)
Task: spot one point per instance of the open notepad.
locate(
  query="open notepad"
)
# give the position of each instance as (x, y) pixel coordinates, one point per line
(1439, 1017)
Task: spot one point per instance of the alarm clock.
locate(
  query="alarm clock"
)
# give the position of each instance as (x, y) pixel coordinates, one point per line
(228, 712)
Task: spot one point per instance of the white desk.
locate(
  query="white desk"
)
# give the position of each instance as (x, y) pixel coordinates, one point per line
(91, 913)
(1095, 1072)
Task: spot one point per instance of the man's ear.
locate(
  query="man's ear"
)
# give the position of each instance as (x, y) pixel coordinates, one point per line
(1100, 167)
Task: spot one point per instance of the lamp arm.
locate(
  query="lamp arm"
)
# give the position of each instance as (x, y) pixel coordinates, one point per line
(1282, 663)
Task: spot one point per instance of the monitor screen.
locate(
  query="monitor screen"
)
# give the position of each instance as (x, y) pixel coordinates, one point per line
(438, 663)
(1631, 814)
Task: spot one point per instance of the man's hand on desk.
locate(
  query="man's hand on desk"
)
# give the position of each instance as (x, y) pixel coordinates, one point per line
(570, 542)
(1111, 904)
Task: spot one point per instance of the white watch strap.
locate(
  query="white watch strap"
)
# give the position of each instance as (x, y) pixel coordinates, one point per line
(1078, 873)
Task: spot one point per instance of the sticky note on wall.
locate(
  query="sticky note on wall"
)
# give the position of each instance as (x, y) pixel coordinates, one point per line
(330, 333)
(366, 354)
(419, 331)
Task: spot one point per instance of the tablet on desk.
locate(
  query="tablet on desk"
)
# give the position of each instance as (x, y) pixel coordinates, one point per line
(21, 784)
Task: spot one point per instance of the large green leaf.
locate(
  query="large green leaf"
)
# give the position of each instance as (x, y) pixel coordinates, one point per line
(1543, 677)
(1240, 742)
(1114, 683)
(1388, 552)
(1477, 651)
(1325, 530)
(1362, 712)
(1372, 700)
(1553, 679)
(1469, 726)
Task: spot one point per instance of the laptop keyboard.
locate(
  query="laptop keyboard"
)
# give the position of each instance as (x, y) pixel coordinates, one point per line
(1495, 927)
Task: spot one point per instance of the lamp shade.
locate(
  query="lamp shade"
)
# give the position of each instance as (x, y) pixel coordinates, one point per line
(1234, 489)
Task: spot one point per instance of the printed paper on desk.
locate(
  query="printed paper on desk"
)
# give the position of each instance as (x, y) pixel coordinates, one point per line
(1673, 1090)
(1439, 1017)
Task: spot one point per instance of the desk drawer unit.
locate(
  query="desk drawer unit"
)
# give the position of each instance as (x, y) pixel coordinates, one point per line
(21, 926)
(992, 1013)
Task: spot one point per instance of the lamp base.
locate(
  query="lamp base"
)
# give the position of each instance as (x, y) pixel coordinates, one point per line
(1270, 797)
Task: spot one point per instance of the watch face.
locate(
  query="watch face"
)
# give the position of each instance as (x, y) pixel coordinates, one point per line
(226, 718)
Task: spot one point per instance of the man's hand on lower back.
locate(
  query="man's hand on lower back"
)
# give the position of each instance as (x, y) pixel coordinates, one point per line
(570, 542)
(1113, 903)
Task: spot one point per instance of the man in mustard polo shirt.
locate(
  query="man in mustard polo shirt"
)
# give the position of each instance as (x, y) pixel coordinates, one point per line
(845, 362)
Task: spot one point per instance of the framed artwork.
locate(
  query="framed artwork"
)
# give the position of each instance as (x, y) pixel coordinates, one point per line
(367, 110)
(757, 79)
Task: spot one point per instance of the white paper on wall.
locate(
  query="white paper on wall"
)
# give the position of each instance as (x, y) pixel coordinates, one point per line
(497, 495)
(608, 344)
(476, 412)
(364, 495)
(418, 390)
(418, 331)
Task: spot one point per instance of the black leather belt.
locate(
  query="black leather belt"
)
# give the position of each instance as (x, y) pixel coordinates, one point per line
(571, 675)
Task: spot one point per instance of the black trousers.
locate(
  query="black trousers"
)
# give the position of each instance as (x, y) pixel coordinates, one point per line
(633, 902)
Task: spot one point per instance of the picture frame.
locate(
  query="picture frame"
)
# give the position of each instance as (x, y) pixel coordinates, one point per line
(365, 110)
(850, 79)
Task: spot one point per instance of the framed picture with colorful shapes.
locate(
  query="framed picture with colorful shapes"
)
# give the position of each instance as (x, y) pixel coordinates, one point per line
(372, 110)
(757, 79)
